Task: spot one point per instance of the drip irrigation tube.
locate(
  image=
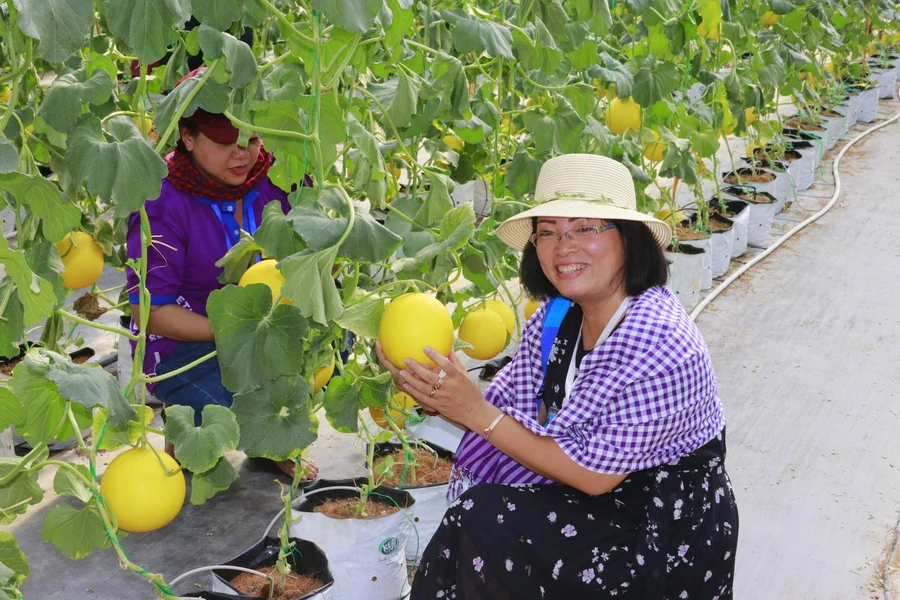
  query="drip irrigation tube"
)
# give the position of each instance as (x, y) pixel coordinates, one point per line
(759, 257)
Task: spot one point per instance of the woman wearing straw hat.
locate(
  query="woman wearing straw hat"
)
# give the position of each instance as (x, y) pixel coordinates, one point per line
(593, 464)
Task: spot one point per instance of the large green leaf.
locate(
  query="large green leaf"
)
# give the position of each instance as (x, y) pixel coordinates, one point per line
(89, 385)
(275, 419)
(207, 484)
(255, 346)
(350, 15)
(57, 215)
(438, 200)
(44, 407)
(275, 235)
(60, 25)
(596, 13)
(17, 495)
(558, 132)
(310, 284)
(654, 82)
(67, 483)
(473, 34)
(35, 294)
(219, 14)
(12, 327)
(125, 171)
(212, 97)
(61, 107)
(11, 410)
(521, 178)
(450, 85)
(75, 532)
(9, 156)
(332, 126)
(457, 228)
(147, 26)
(13, 558)
(611, 71)
(342, 404)
(399, 96)
(362, 315)
(239, 59)
(402, 20)
(369, 168)
(198, 449)
(44, 259)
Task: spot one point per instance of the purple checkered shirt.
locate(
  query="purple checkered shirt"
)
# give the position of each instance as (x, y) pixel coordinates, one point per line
(643, 398)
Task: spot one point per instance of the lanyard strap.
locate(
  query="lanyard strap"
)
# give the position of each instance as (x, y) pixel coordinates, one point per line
(228, 220)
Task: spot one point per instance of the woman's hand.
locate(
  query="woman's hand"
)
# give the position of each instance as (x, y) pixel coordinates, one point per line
(446, 388)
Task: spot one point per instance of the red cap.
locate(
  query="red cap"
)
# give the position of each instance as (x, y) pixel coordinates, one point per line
(215, 126)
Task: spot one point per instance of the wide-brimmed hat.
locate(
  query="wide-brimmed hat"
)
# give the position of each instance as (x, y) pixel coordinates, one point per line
(584, 186)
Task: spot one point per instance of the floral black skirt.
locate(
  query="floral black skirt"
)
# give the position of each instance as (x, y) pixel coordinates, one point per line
(667, 533)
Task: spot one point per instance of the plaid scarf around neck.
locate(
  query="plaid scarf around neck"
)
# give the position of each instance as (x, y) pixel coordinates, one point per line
(185, 177)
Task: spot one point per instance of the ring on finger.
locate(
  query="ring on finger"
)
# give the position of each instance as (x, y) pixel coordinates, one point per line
(434, 389)
(439, 383)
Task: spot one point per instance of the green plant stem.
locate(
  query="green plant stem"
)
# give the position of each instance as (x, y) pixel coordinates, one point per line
(179, 371)
(393, 127)
(119, 113)
(173, 124)
(423, 47)
(275, 61)
(267, 131)
(291, 30)
(389, 284)
(100, 326)
(7, 294)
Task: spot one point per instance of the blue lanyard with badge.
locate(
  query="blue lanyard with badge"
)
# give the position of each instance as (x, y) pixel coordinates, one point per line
(552, 320)
(228, 220)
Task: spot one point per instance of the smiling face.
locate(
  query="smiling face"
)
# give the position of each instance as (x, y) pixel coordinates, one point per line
(228, 164)
(588, 270)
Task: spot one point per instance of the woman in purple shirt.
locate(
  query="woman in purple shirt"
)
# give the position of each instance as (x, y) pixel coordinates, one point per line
(593, 464)
(214, 189)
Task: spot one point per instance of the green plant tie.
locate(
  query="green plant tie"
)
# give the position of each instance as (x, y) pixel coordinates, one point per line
(410, 456)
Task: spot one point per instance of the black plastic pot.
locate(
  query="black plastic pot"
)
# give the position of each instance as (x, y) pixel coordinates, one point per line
(385, 448)
(306, 559)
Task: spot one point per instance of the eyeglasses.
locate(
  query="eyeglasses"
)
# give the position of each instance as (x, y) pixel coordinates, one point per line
(584, 233)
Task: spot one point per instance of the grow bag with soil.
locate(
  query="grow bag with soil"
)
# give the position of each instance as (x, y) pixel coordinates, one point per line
(367, 556)
(431, 499)
(314, 580)
(685, 274)
(438, 431)
(701, 241)
(762, 210)
(739, 213)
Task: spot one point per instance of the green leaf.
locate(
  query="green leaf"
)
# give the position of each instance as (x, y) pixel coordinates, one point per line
(198, 449)
(597, 14)
(350, 15)
(558, 132)
(125, 171)
(75, 532)
(457, 227)
(67, 483)
(245, 330)
(450, 85)
(212, 97)
(369, 168)
(275, 420)
(438, 200)
(399, 96)
(61, 107)
(521, 178)
(402, 22)
(13, 558)
(90, 385)
(60, 25)
(57, 215)
(35, 294)
(207, 484)
(310, 285)
(582, 97)
(362, 317)
(43, 258)
(611, 71)
(654, 82)
(238, 258)
(341, 404)
(147, 26)
(369, 240)
(332, 126)
(18, 494)
(480, 35)
(9, 156)
(239, 59)
(113, 437)
(275, 235)
(374, 391)
(780, 7)
(219, 14)
(316, 227)
(12, 327)
(11, 410)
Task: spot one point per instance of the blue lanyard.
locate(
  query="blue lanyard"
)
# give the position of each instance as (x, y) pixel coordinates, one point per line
(228, 220)
(553, 318)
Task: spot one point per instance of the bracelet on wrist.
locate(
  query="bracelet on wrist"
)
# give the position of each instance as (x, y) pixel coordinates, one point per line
(490, 428)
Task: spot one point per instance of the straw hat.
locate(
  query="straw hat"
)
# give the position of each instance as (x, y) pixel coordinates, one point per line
(584, 186)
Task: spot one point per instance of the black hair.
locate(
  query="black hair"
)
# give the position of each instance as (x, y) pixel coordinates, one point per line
(645, 263)
(191, 128)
